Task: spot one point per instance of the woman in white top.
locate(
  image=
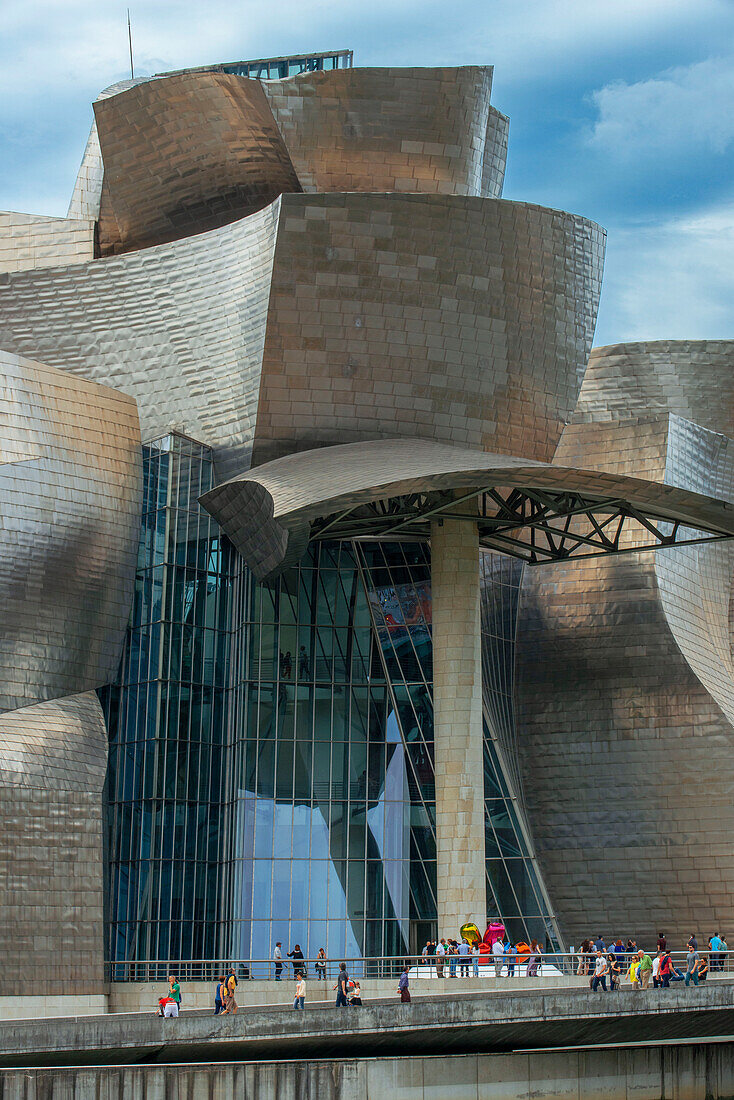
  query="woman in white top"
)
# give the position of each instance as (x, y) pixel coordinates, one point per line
(300, 998)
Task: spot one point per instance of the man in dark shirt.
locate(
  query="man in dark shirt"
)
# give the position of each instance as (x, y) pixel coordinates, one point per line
(662, 943)
(341, 986)
(693, 942)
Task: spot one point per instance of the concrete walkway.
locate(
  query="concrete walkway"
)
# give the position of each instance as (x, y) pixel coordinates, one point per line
(459, 1024)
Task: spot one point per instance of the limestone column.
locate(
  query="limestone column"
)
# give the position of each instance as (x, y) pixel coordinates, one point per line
(458, 736)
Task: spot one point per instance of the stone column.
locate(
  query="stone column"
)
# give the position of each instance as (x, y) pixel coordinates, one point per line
(458, 735)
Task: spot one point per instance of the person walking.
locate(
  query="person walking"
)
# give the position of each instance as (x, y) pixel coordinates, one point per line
(662, 942)
(403, 989)
(498, 952)
(632, 972)
(299, 1000)
(320, 965)
(615, 973)
(453, 954)
(440, 954)
(656, 979)
(278, 959)
(715, 946)
(298, 964)
(534, 960)
(692, 941)
(174, 997)
(601, 969)
(511, 954)
(464, 951)
(664, 970)
(475, 960)
(644, 970)
(692, 965)
(723, 951)
(218, 1001)
(230, 1002)
(341, 986)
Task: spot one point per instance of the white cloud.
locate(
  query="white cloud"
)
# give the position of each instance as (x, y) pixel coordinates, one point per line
(682, 110)
(670, 281)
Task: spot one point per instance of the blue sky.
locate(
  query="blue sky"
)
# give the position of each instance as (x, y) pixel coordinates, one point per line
(621, 110)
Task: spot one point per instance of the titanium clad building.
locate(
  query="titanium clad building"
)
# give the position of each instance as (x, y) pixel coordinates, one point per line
(409, 582)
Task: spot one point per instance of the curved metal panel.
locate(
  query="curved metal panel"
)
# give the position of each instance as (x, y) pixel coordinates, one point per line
(71, 490)
(52, 768)
(184, 154)
(690, 378)
(460, 319)
(59, 745)
(28, 242)
(370, 129)
(180, 327)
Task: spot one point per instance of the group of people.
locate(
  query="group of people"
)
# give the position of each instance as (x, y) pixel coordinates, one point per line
(286, 664)
(299, 962)
(639, 968)
(348, 990)
(463, 957)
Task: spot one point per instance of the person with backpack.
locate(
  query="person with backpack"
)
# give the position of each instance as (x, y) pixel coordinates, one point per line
(218, 999)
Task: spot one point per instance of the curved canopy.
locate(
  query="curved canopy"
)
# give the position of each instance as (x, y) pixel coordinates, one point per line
(393, 489)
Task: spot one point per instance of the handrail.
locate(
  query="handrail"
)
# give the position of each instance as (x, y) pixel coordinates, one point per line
(566, 963)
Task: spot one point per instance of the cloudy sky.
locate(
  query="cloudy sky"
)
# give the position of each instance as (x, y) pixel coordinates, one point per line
(621, 110)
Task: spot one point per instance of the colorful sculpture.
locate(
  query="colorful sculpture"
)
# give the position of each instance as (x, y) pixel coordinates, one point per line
(470, 933)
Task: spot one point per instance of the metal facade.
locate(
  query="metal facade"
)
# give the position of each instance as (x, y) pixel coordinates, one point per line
(320, 303)
(625, 676)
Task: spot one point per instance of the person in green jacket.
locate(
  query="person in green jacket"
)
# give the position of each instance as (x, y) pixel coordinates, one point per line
(644, 970)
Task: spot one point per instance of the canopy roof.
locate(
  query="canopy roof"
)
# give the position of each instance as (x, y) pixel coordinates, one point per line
(394, 489)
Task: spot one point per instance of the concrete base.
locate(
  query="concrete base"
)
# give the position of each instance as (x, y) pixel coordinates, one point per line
(691, 1072)
(23, 1008)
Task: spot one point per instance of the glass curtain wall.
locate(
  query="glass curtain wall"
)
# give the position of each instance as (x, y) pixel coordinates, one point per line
(322, 825)
(166, 717)
(514, 887)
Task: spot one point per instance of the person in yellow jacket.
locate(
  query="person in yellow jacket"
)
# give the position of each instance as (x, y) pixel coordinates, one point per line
(632, 972)
(229, 1002)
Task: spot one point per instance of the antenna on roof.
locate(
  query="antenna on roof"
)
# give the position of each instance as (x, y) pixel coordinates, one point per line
(130, 42)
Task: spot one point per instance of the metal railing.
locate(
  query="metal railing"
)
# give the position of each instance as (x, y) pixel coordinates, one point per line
(558, 964)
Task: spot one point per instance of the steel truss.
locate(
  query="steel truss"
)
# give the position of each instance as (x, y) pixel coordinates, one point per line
(536, 525)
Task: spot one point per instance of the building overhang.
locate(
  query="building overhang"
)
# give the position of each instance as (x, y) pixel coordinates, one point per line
(394, 489)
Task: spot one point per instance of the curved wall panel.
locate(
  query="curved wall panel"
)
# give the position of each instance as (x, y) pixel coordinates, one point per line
(464, 320)
(184, 154)
(388, 129)
(691, 378)
(71, 487)
(28, 242)
(180, 327)
(52, 767)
